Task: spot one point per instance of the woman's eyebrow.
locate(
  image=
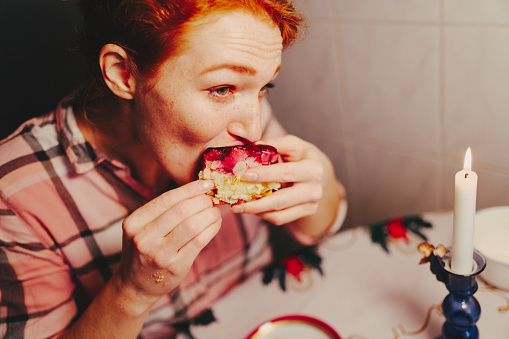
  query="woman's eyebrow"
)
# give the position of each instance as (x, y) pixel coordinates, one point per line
(236, 68)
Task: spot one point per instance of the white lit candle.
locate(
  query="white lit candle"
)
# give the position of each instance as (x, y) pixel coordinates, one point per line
(465, 193)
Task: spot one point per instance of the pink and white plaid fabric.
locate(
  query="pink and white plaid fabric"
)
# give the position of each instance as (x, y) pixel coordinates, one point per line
(61, 209)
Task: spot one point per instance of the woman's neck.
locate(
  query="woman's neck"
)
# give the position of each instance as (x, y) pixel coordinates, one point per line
(113, 133)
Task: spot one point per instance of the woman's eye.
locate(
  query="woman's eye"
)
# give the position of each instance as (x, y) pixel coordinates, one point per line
(222, 91)
(266, 88)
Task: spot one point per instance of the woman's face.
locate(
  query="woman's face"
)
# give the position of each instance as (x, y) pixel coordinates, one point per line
(210, 93)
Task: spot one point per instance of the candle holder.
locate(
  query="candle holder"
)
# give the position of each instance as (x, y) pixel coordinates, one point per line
(460, 308)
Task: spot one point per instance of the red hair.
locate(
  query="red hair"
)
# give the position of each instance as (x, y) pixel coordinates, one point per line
(150, 31)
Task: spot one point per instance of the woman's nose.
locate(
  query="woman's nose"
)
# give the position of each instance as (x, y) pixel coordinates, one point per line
(247, 123)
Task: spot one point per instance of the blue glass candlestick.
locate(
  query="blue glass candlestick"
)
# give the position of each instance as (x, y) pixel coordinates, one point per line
(460, 308)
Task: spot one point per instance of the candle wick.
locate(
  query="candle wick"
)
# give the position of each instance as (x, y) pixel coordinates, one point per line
(466, 175)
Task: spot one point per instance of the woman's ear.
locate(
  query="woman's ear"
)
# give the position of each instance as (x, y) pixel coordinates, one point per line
(116, 72)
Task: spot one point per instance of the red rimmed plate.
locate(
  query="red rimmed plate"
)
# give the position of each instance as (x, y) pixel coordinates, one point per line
(294, 327)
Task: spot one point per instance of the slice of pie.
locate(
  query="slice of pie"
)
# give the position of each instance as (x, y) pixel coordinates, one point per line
(225, 166)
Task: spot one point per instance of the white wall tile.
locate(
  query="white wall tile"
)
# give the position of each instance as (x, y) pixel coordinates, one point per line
(315, 8)
(476, 93)
(476, 11)
(396, 184)
(306, 96)
(393, 84)
(492, 188)
(399, 10)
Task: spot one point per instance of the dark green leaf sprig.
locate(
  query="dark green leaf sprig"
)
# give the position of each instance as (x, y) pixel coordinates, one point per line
(203, 319)
(397, 228)
(293, 265)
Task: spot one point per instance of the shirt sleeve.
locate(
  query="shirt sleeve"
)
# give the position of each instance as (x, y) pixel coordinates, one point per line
(36, 289)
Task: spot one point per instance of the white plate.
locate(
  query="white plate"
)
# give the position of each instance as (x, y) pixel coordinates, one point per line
(491, 238)
(294, 327)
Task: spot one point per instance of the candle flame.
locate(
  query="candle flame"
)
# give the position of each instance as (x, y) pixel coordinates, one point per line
(468, 160)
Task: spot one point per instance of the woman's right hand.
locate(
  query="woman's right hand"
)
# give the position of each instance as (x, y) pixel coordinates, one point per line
(162, 239)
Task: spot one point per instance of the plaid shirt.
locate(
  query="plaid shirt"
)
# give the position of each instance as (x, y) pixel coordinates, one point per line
(61, 211)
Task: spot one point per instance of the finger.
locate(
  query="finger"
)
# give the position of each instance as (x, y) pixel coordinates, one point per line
(290, 147)
(178, 261)
(301, 171)
(290, 214)
(191, 228)
(188, 253)
(284, 198)
(171, 218)
(165, 201)
(151, 238)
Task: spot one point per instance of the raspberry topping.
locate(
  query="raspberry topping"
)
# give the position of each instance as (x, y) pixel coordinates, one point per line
(228, 157)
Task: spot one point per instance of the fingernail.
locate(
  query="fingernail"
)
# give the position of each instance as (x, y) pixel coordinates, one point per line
(249, 176)
(207, 185)
(237, 209)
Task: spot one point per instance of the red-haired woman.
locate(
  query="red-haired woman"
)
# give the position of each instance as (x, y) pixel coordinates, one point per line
(105, 231)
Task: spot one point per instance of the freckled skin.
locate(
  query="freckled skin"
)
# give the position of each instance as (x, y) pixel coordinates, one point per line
(180, 115)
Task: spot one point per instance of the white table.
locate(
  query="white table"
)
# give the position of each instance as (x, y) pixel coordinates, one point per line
(365, 292)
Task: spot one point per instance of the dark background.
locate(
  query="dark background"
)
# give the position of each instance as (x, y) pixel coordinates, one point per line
(39, 61)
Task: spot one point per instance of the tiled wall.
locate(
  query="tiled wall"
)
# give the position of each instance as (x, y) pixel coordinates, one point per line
(395, 91)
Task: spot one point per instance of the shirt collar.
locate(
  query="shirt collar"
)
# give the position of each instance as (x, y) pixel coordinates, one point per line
(80, 153)
(82, 156)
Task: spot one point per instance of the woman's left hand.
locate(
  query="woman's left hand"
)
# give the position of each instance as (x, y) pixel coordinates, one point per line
(304, 174)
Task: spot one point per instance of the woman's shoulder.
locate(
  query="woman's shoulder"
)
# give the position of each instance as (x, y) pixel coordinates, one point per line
(38, 139)
(22, 143)
(23, 152)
